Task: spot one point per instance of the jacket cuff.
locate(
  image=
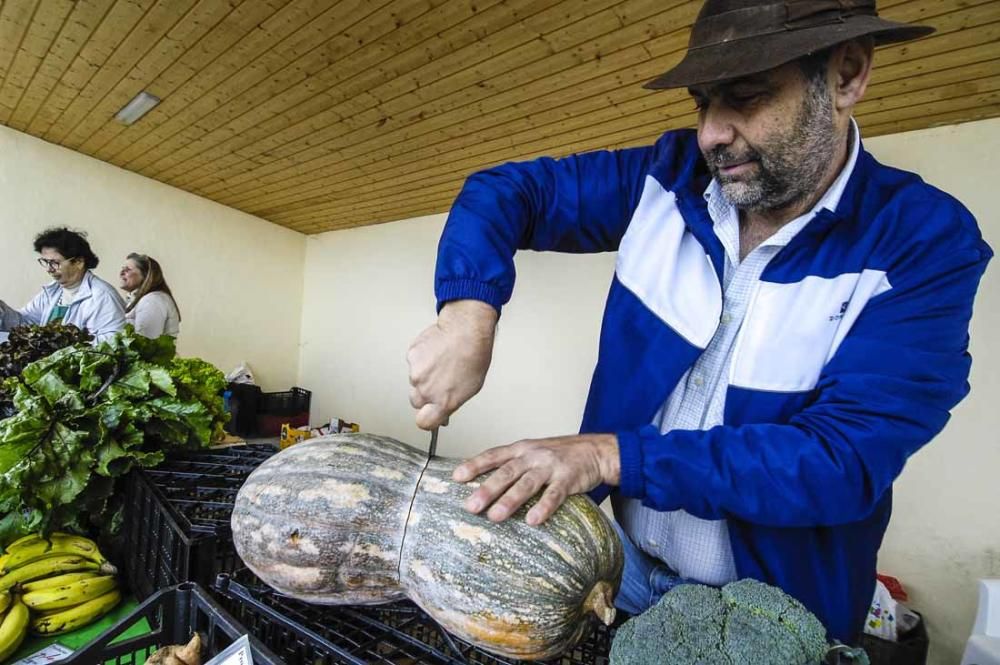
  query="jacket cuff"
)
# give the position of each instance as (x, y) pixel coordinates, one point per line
(631, 481)
(468, 289)
(600, 493)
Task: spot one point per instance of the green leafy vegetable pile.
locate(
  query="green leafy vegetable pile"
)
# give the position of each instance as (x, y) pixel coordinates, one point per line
(87, 415)
(27, 344)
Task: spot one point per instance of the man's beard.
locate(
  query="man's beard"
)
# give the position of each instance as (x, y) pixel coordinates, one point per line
(790, 166)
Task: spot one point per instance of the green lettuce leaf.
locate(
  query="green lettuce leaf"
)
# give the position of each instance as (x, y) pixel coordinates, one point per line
(86, 416)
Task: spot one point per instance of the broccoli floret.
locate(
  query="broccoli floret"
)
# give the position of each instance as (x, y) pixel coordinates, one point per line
(746, 623)
(762, 611)
(684, 627)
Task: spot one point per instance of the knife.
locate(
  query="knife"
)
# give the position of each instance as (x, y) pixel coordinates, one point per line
(434, 443)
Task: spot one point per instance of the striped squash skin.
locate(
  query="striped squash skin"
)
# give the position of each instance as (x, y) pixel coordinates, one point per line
(516, 590)
(323, 520)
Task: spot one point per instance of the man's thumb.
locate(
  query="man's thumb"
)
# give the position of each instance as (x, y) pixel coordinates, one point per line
(431, 415)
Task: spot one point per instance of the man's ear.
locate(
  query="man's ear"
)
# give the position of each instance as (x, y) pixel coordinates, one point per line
(851, 69)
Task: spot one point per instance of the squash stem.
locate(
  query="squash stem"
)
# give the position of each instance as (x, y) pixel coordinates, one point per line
(600, 601)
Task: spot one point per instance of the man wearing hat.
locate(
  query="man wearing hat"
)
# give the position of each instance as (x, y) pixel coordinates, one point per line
(787, 323)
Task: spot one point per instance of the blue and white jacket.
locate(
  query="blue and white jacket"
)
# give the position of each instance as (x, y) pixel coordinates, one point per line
(852, 352)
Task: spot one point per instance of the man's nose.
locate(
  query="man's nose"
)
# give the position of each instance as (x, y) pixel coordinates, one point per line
(715, 128)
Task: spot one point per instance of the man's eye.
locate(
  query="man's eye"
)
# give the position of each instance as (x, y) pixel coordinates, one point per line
(743, 98)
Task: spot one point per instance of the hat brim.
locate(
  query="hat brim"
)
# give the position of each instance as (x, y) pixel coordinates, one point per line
(730, 60)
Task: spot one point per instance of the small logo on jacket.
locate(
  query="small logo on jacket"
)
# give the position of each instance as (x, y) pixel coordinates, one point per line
(843, 308)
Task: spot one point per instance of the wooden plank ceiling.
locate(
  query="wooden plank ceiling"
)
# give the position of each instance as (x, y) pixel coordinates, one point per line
(323, 114)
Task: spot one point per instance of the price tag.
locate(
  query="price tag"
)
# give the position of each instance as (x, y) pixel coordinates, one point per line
(50, 654)
(237, 653)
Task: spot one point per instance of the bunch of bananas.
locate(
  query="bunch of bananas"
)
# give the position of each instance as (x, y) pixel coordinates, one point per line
(52, 585)
(13, 626)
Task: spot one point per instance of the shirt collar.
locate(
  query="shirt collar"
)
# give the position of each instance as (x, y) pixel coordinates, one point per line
(722, 212)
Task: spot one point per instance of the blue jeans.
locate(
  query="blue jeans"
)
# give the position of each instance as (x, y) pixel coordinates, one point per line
(644, 579)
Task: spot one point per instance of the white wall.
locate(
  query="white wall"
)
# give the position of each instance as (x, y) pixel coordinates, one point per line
(369, 292)
(945, 530)
(237, 278)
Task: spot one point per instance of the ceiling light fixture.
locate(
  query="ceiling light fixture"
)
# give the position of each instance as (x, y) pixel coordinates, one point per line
(140, 105)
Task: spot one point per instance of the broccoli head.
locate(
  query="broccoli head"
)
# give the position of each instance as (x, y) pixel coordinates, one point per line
(745, 623)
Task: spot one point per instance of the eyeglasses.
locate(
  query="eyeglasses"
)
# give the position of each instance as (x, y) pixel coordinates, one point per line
(53, 264)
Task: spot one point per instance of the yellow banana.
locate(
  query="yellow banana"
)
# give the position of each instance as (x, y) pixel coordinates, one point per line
(54, 623)
(58, 543)
(17, 543)
(5, 599)
(22, 540)
(13, 629)
(58, 580)
(69, 595)
(35, 538)
(53, 565)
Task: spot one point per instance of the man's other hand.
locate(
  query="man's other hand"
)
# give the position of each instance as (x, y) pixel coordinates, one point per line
(563, 465)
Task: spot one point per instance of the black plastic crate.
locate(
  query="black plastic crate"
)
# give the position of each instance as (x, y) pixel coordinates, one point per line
(173, 614)
(286, 403)
(363, 635)
(270, 425)
(201, 487)
(177, 517)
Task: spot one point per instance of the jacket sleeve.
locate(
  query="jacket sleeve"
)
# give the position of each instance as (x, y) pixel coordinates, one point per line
(107, 318)
(9, 317)
(30, 314)
(886, 392)
(581, 203)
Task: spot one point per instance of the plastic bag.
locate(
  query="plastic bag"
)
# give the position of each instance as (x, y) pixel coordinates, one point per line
(881, 621)
(242, 374)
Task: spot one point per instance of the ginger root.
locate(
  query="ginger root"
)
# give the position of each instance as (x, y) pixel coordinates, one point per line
(178, 654)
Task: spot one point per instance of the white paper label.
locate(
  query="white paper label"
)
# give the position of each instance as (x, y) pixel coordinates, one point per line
(50, 654)
(237, 653)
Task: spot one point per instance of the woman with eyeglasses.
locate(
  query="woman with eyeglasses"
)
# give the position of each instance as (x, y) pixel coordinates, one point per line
(150, 307)
(76, 295)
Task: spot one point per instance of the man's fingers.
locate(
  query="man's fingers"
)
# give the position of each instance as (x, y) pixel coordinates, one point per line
(417, 399)
(493, 487)
(561, 465)
(419, 359)
(413, 354)
(481, 463)
(515, 497)
(551, 499)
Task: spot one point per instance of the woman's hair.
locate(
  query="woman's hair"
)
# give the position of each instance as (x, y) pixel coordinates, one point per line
(71, 244)
(152, 280)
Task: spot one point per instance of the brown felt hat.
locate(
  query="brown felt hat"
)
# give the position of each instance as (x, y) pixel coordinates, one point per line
(734, 38)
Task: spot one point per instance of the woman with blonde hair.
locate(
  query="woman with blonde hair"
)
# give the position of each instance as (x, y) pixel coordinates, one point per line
(150, 307)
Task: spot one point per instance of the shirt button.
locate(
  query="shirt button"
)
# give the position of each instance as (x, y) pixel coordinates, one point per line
(726, 318)
(652, 544)
(698, 381)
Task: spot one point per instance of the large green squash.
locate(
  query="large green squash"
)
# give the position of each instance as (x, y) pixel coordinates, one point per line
(362, 519)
